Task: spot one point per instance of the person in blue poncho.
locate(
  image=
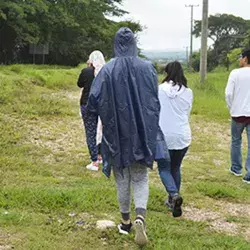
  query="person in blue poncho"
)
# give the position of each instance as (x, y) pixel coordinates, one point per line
(125, 96)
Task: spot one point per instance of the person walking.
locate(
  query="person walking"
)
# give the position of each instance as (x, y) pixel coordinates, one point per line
(176, 103)
(238, 101)
(93, 131)
(125, 96)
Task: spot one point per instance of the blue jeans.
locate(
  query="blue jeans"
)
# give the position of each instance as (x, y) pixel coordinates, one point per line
(236, 155)
(170, 170)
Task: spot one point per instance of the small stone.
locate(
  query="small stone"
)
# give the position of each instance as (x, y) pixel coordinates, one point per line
(80, 223)
(60, 221)
(104, 224)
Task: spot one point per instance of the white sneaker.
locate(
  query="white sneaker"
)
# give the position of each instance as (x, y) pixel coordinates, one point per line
(140, 232)
(92, 167)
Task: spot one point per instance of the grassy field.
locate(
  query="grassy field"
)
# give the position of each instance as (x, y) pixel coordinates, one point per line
(48, 200)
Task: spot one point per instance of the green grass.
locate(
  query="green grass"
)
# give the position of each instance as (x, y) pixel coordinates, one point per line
(42, 178)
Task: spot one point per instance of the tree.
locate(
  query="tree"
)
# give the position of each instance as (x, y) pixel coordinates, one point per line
(227, 33)
(71, 28)
(233, 57)
(211, 64)
(18, 25)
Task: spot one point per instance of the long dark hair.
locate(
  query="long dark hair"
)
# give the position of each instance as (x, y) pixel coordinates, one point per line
(175, 74)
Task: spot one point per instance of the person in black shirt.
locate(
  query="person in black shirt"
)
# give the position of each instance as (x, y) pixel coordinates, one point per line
(84, 81)
(95, 63)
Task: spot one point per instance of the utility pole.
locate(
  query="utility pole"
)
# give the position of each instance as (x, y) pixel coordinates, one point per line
(186, 47)
(187, 54)
(204, 36)
(192, 6)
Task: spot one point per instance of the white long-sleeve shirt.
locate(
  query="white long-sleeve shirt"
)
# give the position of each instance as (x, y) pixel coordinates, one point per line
(176, 105)
(238, 92)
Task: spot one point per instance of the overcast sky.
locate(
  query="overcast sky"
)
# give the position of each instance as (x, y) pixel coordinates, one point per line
(168, 21)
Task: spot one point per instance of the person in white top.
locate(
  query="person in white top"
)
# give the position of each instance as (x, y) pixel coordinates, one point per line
(176, 103)
(238, 101)
(93, 135)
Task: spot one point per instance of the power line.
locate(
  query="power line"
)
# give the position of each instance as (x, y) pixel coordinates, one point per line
(191, 6)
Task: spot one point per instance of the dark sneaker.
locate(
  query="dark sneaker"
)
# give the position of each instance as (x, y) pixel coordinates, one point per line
(246, 180)
(169, 203)
(124, 228)
(177, 202)
(235, 173)
(140, 232)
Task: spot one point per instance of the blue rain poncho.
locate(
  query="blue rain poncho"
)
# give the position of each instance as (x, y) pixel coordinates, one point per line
(125, 96)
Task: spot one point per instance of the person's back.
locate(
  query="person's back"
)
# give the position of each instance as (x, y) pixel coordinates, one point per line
(84, 82)
(128, 105)
(176, 102)
(238, 101)
(125, 95)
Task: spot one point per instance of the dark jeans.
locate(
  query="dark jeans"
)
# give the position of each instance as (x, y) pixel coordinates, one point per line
(90, 123)
(236, 155)
(170, 171)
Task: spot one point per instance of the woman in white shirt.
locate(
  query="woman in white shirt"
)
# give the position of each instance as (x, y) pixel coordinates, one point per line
(176, 103)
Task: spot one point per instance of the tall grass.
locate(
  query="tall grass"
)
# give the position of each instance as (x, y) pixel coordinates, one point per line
(28, 89)
(209, 98)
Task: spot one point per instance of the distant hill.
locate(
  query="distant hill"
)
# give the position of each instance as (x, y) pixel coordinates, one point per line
(164, 56)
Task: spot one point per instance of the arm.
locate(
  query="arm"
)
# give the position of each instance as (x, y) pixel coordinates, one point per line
(155, 79)
(190, 102)
(156, 88)
(229, 93)
(95, 91)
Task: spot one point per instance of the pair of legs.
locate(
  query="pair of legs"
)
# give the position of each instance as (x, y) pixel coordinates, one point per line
(135, 177)
(170, 171)
(236, 154)
(90, 123)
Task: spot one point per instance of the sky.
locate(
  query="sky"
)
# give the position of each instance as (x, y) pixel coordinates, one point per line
(167, 22)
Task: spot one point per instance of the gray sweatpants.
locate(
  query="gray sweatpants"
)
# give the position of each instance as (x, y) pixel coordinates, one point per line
(137, 177)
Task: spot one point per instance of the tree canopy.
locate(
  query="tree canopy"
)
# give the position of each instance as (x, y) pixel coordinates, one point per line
(71, 28)
(227, 32)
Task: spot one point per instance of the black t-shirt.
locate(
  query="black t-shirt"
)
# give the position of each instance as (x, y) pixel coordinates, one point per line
(85, 81)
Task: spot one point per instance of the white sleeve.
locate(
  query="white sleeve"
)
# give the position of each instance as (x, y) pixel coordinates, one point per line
(191, 102)
(230, 89)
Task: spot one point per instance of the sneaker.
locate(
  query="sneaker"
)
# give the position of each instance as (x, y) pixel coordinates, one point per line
(246, 180)
(140, 232)
(235, 173)
(177, 202)
(124, 228)
(169, 203)
(93, 167)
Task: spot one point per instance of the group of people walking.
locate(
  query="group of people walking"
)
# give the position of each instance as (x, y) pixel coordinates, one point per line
(131, 121)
